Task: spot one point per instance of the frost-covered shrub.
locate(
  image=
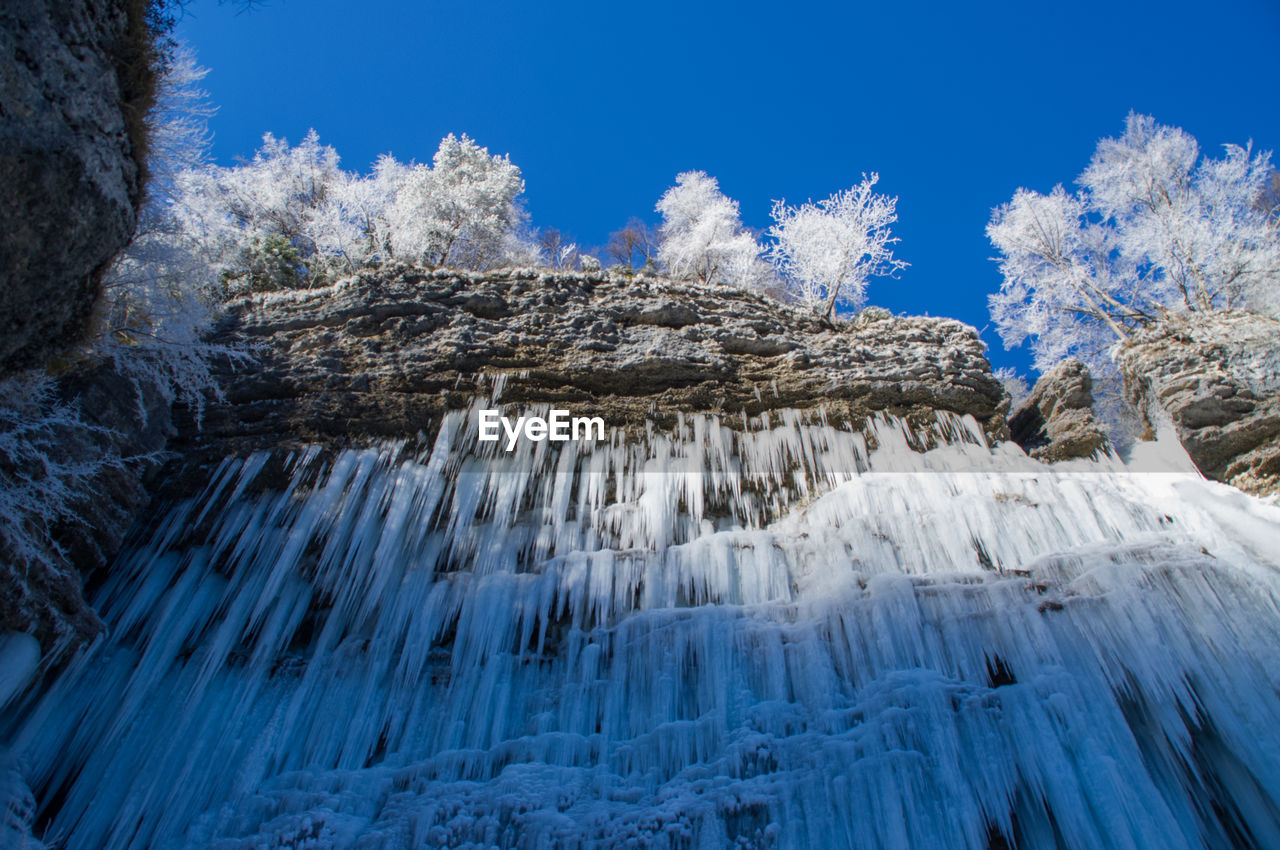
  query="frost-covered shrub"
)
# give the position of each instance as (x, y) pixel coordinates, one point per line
(41, 478)
(1014, 384)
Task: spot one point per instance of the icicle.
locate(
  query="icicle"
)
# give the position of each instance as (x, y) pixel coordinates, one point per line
(764, 633)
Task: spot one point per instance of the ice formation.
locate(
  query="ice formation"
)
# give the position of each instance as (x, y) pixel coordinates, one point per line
(777, 632)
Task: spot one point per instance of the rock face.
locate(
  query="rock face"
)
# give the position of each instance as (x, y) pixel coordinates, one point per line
(1218, 377)
(74, 83)
(1056, 422)
(384, 354)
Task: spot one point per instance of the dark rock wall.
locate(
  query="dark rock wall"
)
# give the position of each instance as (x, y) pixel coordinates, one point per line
(74, 85)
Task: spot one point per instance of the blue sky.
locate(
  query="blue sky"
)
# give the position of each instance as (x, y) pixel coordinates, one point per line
(601, 104)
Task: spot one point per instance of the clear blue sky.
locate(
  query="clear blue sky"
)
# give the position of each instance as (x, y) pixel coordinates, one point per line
(602, 103)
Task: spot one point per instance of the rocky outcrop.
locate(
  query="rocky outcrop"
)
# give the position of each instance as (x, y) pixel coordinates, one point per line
(74, 84)
(1056, 422)
(1218, 377)
(385, 353)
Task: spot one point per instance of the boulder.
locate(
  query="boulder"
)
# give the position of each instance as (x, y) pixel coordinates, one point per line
(1056, 422)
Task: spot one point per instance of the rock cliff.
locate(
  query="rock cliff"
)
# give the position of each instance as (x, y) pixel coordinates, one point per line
(74, 85)
(1218, 377)
(385, 353)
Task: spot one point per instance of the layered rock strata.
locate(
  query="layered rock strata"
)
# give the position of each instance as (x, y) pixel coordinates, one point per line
(1217, 376)
(386, 353)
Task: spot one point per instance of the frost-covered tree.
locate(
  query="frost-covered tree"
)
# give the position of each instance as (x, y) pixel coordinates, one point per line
(159, 295)
(291, 217)
(1270, 200)
(1190, 231)
(1014, 384)
(555, 249)
(826, 251)
(459, 211)
(702, 236)
(1154, 228)
(356, 219)
(283, 195)
(178, 137)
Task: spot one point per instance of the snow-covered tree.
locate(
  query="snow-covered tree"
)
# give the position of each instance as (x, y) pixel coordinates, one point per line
(555, 249)
(178, 137)
(291, 217)
(826, 251)
(159, 295)
(284, 195)
(1191, 231)
(459, 211)
(702, 236)
(1059, 288)
(1154, 228)
(357, 216)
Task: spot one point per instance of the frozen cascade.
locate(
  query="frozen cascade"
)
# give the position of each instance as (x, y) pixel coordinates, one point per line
(768, 633)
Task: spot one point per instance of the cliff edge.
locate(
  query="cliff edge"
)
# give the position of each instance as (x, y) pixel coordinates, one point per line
(385, 353)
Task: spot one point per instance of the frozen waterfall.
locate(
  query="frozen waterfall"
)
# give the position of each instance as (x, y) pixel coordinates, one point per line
(776, 632)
